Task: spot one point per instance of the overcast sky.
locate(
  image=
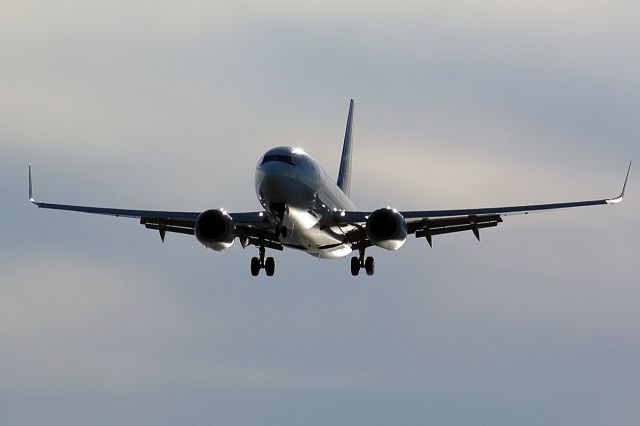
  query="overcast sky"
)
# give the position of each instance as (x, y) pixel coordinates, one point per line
(168, 105)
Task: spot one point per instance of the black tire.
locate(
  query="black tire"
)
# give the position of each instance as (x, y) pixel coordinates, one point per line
(270, 266)
(355, 266)
(255, 266)
(370, 265)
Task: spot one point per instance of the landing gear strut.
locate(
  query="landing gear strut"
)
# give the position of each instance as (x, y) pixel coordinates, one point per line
(281, 231)
(257, 263)
(360, 262)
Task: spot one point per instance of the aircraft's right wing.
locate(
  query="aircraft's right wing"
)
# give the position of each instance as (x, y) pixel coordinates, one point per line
(426, 223)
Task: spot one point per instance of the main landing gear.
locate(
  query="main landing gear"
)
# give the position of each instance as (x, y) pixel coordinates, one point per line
(268, 264)
(360, 262)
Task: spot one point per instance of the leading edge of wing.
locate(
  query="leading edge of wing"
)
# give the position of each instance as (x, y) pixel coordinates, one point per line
(355, 217)
(248, 218)
(111, 211)
(121, 212)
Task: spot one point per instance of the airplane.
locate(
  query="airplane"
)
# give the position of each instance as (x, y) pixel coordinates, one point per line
(303, 208)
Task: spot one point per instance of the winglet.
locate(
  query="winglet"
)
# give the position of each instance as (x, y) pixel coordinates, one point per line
(30, 187)
(619, 198)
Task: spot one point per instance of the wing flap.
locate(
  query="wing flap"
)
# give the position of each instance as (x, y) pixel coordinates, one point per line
(428, 233)
(165, 228)
(450, 222)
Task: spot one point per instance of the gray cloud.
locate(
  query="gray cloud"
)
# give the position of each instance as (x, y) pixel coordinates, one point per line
(169, 106)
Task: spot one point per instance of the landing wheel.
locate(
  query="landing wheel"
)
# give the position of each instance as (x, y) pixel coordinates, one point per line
(270, 266)
(370, 265)
(255, 266)
(258, 263)
(357, 263)
(355, 266)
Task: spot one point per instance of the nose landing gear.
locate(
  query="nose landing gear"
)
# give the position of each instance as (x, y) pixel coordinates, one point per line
(257, 263)
(281, 231)
(357, 263)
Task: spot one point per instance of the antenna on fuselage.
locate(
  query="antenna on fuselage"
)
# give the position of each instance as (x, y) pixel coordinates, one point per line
(344, 175)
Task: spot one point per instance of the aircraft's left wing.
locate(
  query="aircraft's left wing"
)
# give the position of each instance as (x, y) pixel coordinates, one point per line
(435, 222)
(249, 224)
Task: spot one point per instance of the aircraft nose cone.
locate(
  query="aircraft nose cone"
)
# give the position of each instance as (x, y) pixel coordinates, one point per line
(274, 187)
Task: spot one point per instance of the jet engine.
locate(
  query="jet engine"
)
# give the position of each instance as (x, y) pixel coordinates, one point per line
(387, 228)
(215, 229)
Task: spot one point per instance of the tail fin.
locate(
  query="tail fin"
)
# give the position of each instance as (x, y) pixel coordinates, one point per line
(344, 175)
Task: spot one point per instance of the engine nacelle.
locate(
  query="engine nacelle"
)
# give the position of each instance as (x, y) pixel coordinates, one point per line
(215, 229)
(387, 228)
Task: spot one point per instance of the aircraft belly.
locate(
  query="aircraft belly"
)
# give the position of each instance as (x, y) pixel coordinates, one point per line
(305, 234)
(308, 196)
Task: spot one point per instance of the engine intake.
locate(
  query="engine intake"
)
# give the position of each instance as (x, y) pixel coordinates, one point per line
(387, 228)
(215, 229)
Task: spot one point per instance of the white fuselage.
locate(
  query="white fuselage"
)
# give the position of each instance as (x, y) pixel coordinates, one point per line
(303, 197)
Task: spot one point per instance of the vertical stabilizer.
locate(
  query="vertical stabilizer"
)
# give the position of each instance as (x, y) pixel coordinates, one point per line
(344, 175)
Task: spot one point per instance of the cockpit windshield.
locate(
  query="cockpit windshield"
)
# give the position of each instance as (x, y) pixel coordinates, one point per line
(285, 158)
